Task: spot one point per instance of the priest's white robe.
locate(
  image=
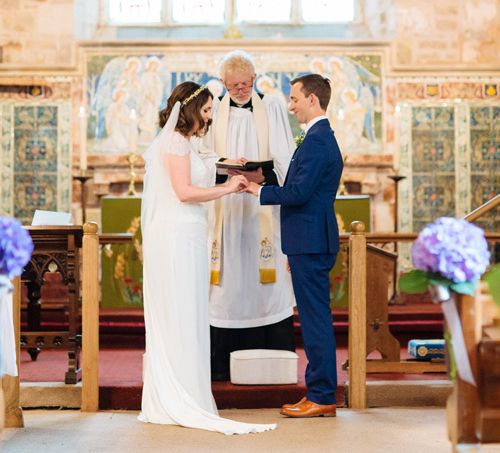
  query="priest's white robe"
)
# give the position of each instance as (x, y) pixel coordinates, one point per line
(241, 301)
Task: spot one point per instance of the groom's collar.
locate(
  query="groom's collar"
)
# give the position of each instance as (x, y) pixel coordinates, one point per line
(314, 121)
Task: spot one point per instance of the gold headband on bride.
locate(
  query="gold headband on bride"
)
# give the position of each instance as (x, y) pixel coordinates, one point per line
(192, 96)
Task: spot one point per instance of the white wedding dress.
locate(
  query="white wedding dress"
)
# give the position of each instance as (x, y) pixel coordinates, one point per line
(177, 385)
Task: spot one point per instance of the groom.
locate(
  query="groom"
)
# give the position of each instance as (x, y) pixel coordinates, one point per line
(309, 237)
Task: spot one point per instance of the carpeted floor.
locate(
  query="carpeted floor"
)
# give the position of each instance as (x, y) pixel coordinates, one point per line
(120, 380)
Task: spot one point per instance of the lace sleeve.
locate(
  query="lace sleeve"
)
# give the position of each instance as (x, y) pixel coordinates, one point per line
(175, 144)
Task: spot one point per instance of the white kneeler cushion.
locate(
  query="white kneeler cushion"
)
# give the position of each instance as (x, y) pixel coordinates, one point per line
(263, 367)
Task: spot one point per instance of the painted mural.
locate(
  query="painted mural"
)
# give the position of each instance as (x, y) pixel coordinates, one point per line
(125, 93)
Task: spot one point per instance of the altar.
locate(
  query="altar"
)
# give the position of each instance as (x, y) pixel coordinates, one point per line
(121, 264)
(121, 284)
(348, 208)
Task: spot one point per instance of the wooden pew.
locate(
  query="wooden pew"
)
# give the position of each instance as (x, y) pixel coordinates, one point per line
(90, 334)
(473, 412)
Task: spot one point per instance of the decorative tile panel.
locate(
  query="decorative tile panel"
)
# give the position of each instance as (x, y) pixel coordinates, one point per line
(451, 156)
(485, 160)
(35, 154)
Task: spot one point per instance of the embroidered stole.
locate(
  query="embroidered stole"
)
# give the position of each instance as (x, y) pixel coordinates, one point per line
(267, 269)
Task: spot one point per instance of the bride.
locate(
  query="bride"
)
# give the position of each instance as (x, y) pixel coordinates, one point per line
(177, 385)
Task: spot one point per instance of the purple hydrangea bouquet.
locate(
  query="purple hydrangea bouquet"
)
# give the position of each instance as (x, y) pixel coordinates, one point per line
(16, 247)
(450, 255)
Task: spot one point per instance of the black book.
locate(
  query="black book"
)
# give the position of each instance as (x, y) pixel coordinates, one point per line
(250, 165)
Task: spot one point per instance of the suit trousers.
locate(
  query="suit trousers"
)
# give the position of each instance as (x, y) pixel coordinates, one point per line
(311, 284)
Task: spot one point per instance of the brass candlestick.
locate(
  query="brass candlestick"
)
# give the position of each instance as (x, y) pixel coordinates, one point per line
(232, 31)
(83, 177)
(132, 159)
(395, 298)
(342, 189)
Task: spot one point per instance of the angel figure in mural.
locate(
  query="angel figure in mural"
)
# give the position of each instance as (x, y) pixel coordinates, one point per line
(267, 85)
(350, 123)
(129, 79)
(118, 119)
(148, 102)
(351, 110)
(126, 84)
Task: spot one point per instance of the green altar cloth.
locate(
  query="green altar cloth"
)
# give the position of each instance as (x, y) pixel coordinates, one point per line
(121, 280)
(348, 208)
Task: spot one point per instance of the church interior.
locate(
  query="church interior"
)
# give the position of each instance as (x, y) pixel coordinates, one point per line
(415, 107)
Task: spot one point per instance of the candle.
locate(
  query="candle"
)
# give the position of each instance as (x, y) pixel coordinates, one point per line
(83, 138)
(397, 149)
(133, 131)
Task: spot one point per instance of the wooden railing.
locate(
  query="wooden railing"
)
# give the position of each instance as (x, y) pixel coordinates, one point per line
(90, 319)
(483, 209)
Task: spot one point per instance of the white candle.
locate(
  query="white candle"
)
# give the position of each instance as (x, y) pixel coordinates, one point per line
(83, 137)
(133, 131)
(397, 151)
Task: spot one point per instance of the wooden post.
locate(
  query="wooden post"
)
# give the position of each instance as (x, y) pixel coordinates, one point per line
(10, 384)
(357, 316)
(463, 403)
(90, 319)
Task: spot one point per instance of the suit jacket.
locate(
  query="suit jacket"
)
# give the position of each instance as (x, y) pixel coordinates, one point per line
(308, 222)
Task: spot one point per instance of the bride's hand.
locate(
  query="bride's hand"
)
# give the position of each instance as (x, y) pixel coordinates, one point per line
(237, 183)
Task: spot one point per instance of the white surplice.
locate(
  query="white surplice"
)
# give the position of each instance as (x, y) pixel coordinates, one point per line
(241, 301)
(177, 386)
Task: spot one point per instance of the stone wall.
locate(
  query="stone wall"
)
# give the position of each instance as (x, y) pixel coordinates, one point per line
(428, 47)
(448, 34)
(37, 33)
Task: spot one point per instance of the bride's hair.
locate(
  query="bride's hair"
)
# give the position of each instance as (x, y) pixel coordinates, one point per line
(192, 98)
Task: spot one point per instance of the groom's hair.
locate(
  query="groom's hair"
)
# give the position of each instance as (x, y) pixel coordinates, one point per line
(189, 114)
(317, 85)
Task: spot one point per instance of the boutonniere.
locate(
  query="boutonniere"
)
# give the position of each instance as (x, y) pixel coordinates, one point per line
(299, 139)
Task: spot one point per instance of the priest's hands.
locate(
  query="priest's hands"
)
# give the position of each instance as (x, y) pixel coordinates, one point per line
(253, 176)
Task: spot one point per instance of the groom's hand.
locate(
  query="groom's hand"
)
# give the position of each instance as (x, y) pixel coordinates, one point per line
(253, 188)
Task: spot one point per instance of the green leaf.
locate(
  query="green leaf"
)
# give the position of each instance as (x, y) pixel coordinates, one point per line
(468, 288)
(492, 278)
(439, 280)
(414, 282)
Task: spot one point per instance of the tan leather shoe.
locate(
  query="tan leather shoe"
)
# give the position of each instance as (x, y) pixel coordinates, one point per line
(309, 409)
(293, 405)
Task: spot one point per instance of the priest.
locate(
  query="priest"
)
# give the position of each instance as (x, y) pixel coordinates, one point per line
(251, 297)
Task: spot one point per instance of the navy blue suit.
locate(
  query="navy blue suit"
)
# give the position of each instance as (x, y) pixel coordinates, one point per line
(309, 237)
